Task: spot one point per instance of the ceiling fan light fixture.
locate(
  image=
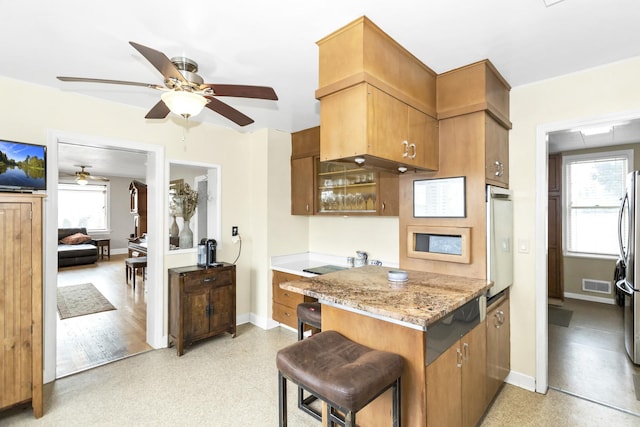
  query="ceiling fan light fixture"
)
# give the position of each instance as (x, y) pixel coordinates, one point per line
(81, 180)
(183, 103)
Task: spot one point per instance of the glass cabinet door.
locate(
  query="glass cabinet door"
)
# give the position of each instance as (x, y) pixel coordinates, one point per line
(345, 188)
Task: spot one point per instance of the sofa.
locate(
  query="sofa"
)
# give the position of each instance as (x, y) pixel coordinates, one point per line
(75, 247)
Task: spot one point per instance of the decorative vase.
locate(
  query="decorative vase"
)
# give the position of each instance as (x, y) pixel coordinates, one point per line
(174, 230)
(186, 235)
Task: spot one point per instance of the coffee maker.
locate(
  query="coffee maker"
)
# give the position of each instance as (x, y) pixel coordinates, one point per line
(207, 253)
(211, 252)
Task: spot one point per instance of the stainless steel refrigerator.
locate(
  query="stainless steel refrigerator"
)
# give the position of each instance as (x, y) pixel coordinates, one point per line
(629, 238)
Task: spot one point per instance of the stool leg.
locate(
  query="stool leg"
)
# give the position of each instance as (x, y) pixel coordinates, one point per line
(134, 277)
(396, 404)
(300, 330)
(282, 400)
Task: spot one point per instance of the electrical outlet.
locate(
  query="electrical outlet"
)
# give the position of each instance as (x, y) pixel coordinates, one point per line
(234, 230)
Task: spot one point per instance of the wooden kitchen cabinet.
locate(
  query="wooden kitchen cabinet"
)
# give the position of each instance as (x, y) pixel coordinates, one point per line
(498, 345)
(456, 382)
(202, 303)
(336, 187)
(21, 278)
(364, 121)
(481, 134)
(346, 189)
(285, 303)
(496, 139)
(303, 185)
(474, 87)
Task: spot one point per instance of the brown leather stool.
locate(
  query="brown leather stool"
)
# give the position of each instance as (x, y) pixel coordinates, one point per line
(344, 374)
(309, 313)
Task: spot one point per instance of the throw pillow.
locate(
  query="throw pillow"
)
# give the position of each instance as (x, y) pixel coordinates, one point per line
(75, 239)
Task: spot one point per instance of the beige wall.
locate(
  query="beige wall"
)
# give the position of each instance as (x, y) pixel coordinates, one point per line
(29, 113)
(602, 91)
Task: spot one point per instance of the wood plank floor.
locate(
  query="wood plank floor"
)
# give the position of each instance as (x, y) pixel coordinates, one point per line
(92, 340)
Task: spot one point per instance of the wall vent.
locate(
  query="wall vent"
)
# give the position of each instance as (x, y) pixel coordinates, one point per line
(599, 286)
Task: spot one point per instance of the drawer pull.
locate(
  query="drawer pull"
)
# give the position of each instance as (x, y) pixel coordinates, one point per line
(209, 279)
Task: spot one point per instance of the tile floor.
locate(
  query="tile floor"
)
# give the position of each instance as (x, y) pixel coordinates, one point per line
(588, 358)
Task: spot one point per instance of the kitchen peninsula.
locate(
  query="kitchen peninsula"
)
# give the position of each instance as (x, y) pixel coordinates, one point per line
(363, 305)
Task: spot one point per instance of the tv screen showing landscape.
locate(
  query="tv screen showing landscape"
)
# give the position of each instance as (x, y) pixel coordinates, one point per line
(22, 166)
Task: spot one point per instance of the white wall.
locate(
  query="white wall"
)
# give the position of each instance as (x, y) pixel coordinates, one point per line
(610, 91)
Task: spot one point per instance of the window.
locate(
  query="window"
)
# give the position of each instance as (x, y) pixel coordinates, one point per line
(594, 186)
(84, 206)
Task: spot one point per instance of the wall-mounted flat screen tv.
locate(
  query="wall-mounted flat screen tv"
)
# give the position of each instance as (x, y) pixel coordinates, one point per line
(23, 166)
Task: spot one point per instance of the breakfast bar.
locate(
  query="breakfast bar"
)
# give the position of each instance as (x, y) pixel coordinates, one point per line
(396, 316)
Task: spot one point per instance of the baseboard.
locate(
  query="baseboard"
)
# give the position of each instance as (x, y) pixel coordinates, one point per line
(583, 297)
(521, 380)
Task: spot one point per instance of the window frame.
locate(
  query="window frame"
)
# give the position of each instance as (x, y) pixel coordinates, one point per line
(585, 157)
(107, 185)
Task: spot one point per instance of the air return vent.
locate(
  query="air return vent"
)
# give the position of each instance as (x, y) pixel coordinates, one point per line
(599, 286)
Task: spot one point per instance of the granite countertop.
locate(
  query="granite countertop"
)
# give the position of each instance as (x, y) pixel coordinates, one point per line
(421, 300)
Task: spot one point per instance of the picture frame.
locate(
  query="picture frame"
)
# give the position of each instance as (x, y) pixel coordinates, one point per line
(440, 198)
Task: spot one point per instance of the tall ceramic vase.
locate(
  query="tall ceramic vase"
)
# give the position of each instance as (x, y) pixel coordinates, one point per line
(174, 230)
(186, 235)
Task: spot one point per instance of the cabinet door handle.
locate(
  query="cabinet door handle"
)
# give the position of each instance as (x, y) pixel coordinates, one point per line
(307, 207)
(500, 317)
(465, 346)
(383, 206)
(209, 279)
(406, 149)
(459, 357)
(209, 310)
(499, 168)
(413, 152)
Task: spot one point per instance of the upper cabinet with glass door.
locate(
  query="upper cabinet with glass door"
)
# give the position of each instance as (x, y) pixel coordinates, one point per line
(346, 189)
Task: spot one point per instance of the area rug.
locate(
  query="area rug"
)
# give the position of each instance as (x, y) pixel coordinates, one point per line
(78, 300)
(559, 316)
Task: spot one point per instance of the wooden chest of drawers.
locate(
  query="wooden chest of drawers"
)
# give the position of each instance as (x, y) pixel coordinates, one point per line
(202, 303)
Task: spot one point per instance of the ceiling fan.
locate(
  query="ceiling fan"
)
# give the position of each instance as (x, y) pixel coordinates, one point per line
(82, 176)
(184, 91)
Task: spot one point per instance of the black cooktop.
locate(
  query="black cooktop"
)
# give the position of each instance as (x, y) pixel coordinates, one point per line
(324, 269)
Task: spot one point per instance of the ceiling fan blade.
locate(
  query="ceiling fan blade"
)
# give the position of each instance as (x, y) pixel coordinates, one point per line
(159, 111)
(97, 178)
(114, 82)
(160, 61)
(243, 91)
(228, 111)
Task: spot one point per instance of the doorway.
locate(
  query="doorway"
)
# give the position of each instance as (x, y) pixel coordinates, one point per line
(584, 334)
(99, 202)
(155, 286)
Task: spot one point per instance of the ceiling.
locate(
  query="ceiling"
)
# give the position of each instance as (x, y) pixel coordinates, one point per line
(274, 43)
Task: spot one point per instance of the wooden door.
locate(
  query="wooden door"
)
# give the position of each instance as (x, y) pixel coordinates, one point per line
(220, 313)
(16, 352)
(474, 371)
(423, 132)
(496, 153)
(388, 194)
(388, 118)
(196, 321)
(444, 398)
(555, 285)
(303, 186)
